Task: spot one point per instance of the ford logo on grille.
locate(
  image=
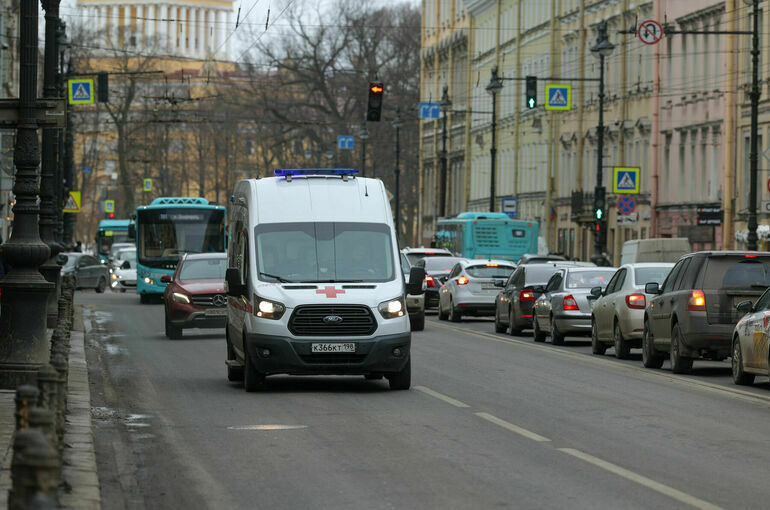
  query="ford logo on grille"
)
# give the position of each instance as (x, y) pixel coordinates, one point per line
(332, 319)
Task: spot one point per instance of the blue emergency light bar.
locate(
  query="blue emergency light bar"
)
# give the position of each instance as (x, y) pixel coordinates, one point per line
(290, 172)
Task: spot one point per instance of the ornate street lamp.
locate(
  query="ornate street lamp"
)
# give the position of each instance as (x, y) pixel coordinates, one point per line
(446, 107)
(493, 87)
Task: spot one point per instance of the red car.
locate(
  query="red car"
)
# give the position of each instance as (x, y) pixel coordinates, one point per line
(195, 296)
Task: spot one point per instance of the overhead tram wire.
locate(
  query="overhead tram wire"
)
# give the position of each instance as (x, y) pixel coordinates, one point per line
(238, 22)
(288, 4)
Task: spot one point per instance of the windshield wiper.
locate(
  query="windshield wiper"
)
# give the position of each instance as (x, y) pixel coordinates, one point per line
(279, 278)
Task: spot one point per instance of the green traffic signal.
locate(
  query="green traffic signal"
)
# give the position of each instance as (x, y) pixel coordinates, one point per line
(531, 102)
(599, 214)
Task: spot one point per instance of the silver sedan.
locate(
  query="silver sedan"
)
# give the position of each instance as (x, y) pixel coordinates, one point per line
(564, 306)
(618, 310)
(470, 288)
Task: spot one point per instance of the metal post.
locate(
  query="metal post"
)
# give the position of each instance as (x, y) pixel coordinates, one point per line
(48, 184)
(61, 196)
(494, 86)
(397, 171)
(69, 163)
(753, 155)
(599, 238)
(445, 105)
(23, 343)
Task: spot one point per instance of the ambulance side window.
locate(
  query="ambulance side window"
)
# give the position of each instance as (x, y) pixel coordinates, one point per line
(244, 237)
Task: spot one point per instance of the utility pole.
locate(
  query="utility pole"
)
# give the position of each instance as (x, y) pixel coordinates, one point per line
(753, 155)
(494, 86)
(445, 106)
(397, 171)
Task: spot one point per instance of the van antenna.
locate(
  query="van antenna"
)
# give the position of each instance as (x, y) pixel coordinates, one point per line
(366, 189)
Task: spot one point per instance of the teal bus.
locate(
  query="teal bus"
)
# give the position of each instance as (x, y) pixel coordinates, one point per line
(168, 228)
(110, 232)
(483, 235)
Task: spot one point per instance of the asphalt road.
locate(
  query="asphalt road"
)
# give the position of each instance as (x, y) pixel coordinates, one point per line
(491, 421)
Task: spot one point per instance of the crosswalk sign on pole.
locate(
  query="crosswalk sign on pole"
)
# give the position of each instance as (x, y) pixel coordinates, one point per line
(109, 206)
(558, 97)
(80, 91)
(147, 185)
(625, 179)
(73, 203)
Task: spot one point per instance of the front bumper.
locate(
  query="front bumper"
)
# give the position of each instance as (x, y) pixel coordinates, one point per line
(574, 323)
(293, 356)
(189, 316)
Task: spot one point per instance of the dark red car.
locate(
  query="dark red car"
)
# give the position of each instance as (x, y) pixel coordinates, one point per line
(195, 296)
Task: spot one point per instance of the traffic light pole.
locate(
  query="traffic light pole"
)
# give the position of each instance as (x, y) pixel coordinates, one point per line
(753, 155)
(600, 222)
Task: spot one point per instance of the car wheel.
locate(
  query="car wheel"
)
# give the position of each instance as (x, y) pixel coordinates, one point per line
(514, 331)
(253, 380)
(556, 336)
(739, 376)
(651, 358)
(597, 347)
(122, 291)
(401, 380)
(679, 364)
(622, 347)
(101, 285)
(454, 313)
(499, 328)
(144, 298)
(172, 332)
(417, 323)
(538, 335)
(441, 315)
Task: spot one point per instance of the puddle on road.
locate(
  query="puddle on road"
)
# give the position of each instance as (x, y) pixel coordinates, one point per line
(266, 427)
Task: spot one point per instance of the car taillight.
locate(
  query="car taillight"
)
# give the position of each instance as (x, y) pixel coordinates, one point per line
(569, 303)
(636, 301)
(697, 301)
(526, 295)
(430, 281)
(462, 280)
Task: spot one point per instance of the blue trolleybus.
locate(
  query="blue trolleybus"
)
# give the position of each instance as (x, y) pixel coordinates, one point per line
(480, 235)
(110, 232)
(166, 229)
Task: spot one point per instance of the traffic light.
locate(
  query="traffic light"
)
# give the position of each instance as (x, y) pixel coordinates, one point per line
(103, 87)
(600, 203)
(531, 91)
(374, 108)
(112, 215)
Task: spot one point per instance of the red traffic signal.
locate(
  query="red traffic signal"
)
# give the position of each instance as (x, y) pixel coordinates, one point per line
(374, 107)
(112, 215)
(377, 89)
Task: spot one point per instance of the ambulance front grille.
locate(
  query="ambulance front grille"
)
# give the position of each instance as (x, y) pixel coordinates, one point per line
(308, 320)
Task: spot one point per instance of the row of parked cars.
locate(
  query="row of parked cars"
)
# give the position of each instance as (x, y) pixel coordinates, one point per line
(708, 305)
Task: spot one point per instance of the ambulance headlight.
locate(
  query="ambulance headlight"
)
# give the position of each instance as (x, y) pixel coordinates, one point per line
(393, 308)
(268, 309)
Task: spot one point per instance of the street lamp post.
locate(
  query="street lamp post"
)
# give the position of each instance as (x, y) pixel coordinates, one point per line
(753, 154)
(603, 48)
(397, 171)
(363, 135)
(493, 87)
(445, 106)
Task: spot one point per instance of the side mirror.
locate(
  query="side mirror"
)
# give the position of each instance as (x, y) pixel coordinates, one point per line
(596, 292)
(500, 283)
(745, 307)
(652, 288)
(125, 265)
(165, 278)
(233, 284)
(416, 277)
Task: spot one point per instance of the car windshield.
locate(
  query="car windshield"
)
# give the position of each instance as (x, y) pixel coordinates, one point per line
(436, 264)
(405, 266)
(203, 269)
(127, 256)
(737, 271)
(414, 257)
(489, 271)
(589, 279)
(106, 238)
(164, 234)
(325, 252)
(537, 274)
(72, 261)
(645, 275)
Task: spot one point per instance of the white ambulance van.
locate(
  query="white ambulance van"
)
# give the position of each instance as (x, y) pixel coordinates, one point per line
(314, 280)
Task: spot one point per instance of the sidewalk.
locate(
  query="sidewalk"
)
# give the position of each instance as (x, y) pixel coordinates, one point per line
(81, 490)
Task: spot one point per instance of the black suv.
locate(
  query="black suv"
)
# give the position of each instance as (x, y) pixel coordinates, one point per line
(692, 315)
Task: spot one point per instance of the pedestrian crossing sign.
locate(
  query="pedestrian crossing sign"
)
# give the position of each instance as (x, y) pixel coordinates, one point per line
(558, 97)
(73, 203)
(80, 91)
(625, 179)
(147, 185)
(109, 206)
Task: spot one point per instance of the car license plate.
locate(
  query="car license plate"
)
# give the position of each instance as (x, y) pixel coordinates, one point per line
(215, 312)
(335, 347)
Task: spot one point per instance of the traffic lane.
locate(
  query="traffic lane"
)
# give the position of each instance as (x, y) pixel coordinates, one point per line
(362, 442)
(709, 441)
(711, 372)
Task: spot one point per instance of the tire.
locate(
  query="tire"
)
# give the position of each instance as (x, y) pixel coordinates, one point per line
(253, 380)
(401, 380)
(144, 299)
(597, 346)
(679, 364)
(514, 331)
(499, 328)
(651, 358)
(172, 332)
(417, 323)
(538, 335)
(101, 285)
(441, 315)
(234, 374)
(454, 313)
(557, 338)
(622, 347)
(122, 291)
(740, 377)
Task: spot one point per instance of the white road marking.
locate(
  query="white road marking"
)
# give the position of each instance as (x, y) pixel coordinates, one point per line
(641, 480)
(441, 396)
(513, 428)
(266, 427)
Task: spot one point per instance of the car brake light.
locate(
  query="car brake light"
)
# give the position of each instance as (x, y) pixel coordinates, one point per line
(430, 282)
(636, 301)
(462, 280)
(697, 301)
(430, 253)
(526, 295)
(750, 256)
(569, 303)
(492, 265)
